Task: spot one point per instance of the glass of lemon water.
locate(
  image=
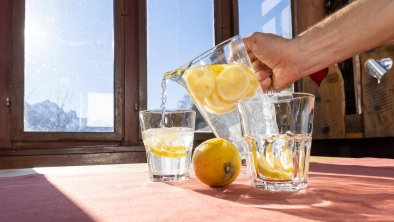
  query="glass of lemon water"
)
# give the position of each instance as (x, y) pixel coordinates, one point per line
(277, 131)
(168, 140)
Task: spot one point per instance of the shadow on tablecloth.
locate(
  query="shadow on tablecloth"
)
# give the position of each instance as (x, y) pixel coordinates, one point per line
(335, 192)
(34, 198)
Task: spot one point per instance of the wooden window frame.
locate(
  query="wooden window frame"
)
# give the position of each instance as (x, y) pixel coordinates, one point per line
(130, 88)
(18, 134)
(32, 153)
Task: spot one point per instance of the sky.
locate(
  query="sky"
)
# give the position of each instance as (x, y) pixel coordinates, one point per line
(178, 30)
(69, 56)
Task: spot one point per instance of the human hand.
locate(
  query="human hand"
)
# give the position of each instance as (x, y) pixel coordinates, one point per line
(272, 60)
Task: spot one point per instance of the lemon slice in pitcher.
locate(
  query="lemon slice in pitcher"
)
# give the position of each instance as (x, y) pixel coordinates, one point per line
(216, 69)
(200, 82)
(254, 84)
(233, 83)
(214, 104)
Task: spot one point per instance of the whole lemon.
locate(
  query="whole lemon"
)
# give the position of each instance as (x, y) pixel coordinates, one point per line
(216, 162)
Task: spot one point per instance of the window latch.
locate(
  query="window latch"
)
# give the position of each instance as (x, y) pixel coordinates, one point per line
(8, 102)
(136, 106)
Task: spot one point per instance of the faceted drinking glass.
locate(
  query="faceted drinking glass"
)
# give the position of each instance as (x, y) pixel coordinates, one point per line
(168, 140)
(277, 132)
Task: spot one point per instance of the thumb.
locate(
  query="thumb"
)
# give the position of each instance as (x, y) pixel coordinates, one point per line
(250, 42)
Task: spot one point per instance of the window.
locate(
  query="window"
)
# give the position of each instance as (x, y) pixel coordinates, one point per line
(69, 49)
(177, 31)
(93, 65)
(67, 72)
(270, 16)
(180, 30)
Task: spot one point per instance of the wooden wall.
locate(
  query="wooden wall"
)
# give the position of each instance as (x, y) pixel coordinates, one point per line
(372, 104)
(329, 119)
(378, 99)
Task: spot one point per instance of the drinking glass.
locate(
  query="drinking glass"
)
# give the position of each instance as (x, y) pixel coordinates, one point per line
(168, 139)
(277, 132)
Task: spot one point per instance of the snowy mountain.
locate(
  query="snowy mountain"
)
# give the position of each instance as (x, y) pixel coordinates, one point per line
(47, 116)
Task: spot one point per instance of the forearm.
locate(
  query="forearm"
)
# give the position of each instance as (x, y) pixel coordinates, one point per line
(358, 27)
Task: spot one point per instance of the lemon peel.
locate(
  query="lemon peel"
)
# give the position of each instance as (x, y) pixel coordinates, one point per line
(216, 162)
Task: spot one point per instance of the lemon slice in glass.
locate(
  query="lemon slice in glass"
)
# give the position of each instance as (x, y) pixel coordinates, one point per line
(277, 168)
(200, 82)
(286, 160)
(266, 170)
(252, 143)
(233, 83)
(164, 150)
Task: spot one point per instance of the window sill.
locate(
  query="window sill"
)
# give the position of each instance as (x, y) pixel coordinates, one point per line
(87, 155)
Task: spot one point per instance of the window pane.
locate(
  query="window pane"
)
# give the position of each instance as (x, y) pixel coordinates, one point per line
(69, 66)
(270, 16)
(178, 31)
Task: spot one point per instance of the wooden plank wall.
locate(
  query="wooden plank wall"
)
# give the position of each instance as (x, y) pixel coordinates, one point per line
(378, 99)
(329, 120)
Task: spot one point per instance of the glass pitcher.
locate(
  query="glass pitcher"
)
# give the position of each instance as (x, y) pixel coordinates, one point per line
(215, 81)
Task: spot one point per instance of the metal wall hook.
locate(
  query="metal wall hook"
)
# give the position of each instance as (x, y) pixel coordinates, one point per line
(377, 68)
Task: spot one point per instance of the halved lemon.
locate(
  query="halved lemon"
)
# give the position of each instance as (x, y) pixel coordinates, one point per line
(233, 83)
(164, 150)
(200, 82)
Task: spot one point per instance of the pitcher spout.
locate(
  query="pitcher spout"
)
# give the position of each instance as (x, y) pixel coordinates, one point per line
(176, 76)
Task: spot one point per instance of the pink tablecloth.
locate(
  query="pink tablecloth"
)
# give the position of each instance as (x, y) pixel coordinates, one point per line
(339, 190)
